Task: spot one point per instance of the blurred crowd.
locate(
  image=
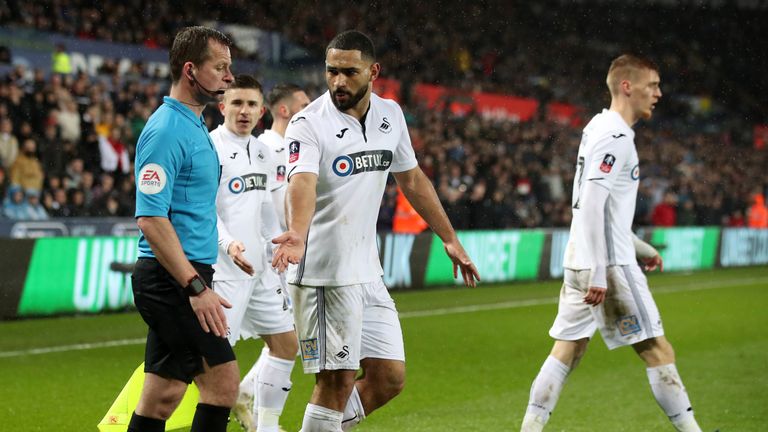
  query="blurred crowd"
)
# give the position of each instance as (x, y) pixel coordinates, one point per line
(67, 141)
(549, 49)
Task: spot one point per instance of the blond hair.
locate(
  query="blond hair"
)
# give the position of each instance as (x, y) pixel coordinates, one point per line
(626, 67)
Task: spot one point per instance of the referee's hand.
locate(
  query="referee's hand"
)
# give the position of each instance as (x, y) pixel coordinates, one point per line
(209, 311)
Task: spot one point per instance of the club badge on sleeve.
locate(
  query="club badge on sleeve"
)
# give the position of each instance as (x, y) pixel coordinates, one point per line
(607, 163)
(293, 151)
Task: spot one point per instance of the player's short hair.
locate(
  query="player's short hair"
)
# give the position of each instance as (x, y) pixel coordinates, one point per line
(191, 45)
(626, 67)
(280, 92)
(245, 81)
(353, 40)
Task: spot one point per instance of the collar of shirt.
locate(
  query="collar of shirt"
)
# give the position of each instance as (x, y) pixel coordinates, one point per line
(180, 107)
(230, 136)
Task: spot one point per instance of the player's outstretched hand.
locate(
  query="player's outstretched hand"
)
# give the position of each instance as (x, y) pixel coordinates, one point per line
(235, 251)
(595, 296)
(290, 250)
(650, 264)
(209, 311)
(461, 261)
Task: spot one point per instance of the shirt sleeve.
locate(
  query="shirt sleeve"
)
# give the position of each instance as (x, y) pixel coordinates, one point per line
(158, 160)
(303, 148)
(607, 158)
(404, 158)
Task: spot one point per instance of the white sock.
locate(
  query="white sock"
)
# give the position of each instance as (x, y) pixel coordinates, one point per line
(248, 384)
(272, 388)
(354, 412)
(669, 391)
(321, 419)
(545, 391)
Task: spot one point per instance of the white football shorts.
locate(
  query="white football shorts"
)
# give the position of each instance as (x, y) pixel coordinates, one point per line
(260, 306)
(339, 326)
(627, 316)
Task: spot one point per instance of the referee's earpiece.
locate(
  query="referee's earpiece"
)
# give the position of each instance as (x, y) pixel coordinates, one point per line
(189, 74)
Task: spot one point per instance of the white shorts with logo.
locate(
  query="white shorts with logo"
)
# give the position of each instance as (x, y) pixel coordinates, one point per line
(260, 306)
(627, 316)
(339, 326)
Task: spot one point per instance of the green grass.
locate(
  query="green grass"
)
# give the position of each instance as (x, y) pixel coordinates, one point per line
(471, 357)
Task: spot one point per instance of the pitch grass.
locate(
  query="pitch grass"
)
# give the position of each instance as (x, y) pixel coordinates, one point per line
(471, 357)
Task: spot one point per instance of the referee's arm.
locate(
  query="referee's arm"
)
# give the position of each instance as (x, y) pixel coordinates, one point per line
(167, 248)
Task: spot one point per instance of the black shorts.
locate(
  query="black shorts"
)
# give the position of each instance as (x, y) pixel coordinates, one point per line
(176, 343)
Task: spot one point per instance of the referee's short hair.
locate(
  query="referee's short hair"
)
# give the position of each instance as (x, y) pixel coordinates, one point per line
(353, 40)
(626, 67)
(280, 92)
(191, 45)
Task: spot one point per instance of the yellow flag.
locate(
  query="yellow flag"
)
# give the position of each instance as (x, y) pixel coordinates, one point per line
(119, 414)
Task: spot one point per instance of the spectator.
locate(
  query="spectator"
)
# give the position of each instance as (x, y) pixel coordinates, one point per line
(111, 207)
(60, 204)
(76, 199)
(3, 184)
(74, 177)
(13, 206)
(736, 219)
(51, 149)
(9, 144)
(114, 154)
(686, 215)
(86, 185)
(68, 120)
(758, 213)
(665, 213)
(26, 170)
(60, 63)
(34, 209)
(104, 188)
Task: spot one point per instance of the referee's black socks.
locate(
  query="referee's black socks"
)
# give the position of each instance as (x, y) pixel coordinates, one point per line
(210, 418)
(145, 424)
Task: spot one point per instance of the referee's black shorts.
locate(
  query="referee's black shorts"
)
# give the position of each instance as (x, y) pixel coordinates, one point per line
(176, 343)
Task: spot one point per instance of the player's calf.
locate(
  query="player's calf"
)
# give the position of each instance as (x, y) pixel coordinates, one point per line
(382, 381)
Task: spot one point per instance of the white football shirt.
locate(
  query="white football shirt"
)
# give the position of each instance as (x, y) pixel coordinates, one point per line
(607, 156)
(277, 174)
(243, 188)
(352, 161)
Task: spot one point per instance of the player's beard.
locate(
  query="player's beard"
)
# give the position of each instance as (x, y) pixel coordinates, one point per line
(352, 99)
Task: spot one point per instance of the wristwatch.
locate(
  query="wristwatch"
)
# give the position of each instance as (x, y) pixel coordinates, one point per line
(195, 286)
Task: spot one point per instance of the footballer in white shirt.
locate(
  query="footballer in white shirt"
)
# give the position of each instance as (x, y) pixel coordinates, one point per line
(604, 288)
(246, 219)
(341, 149)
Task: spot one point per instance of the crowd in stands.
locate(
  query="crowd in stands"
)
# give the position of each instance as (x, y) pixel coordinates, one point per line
(67, 141)
(550, 49)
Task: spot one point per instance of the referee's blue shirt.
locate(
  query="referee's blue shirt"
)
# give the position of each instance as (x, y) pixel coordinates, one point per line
(177, 175)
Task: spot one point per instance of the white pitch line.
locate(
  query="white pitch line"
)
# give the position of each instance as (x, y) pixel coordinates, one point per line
(413, 314)
(75, 347)
(664, 289)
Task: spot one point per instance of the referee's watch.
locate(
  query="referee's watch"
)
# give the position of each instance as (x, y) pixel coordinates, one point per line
(195, 286)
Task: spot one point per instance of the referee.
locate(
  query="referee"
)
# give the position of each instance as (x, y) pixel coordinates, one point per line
(177, 175)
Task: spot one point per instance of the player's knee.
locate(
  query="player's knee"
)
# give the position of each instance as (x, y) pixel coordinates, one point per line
(655, 351)
(395, 386)
(570, 353)
(389, 384)
(286, 350)
(219, 386)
